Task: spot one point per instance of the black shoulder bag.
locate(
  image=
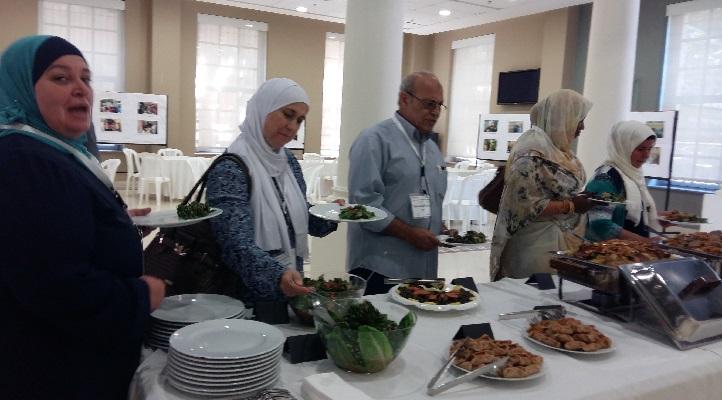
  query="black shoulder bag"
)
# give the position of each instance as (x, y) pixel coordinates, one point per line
(490, 195)
(188, 257)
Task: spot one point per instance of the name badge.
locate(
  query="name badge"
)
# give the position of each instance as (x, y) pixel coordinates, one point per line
(420, 205)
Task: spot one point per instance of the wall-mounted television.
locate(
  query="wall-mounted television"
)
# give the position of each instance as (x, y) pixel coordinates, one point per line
(518, 87)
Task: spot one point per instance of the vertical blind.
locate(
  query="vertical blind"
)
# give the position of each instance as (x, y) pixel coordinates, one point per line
(332, 88)
(473, 59)
(94, 27)
(692, 84)
(230, 66)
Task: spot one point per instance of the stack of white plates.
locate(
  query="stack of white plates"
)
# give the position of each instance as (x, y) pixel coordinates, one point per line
(225, 358)
(181, 310)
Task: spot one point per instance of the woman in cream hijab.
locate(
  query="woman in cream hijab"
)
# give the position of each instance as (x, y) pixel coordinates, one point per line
(621, 175)
(265, 223)
(540, 204)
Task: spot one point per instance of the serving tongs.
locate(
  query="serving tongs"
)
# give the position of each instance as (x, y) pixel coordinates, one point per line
(433, 389)
(436, 283)
(543, 312)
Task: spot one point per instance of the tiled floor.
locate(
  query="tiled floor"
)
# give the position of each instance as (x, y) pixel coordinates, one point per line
(452, 264)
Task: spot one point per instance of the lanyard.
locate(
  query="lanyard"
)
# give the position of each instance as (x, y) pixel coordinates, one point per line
(91, 163)
(421, 157)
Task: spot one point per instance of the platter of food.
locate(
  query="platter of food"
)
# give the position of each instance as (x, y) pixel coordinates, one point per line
(683, 219)
(185, 214)
(471, 354)
(569, 335)
(471, 238)
(616, 252)
(347, 213)
(429, 298)
(699, 243)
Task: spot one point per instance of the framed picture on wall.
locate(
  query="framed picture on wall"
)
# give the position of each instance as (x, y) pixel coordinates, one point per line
(131, 118)
(498, 133)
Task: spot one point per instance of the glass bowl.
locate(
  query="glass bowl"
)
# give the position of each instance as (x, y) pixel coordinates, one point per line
(361, 347)
(302, 305)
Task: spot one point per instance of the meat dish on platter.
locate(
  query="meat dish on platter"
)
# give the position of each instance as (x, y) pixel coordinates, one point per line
(616, 252)
(475, 353)
(569, 334)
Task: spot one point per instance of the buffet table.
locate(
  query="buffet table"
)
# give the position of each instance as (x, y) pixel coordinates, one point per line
(640, 367)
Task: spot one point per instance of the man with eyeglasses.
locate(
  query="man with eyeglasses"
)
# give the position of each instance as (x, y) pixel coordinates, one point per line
(395, 167)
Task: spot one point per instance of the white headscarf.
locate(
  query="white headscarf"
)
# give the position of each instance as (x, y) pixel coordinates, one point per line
(264, 164)
(556, 119)
(625, 137)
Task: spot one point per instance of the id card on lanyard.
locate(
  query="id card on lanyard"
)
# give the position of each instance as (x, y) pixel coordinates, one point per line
(420, 202)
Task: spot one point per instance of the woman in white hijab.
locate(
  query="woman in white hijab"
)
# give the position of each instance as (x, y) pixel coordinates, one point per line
(540, 205)
(621, 176)
(263, 234)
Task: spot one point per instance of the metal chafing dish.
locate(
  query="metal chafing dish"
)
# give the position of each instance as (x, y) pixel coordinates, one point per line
(714, 260)
(679, 298)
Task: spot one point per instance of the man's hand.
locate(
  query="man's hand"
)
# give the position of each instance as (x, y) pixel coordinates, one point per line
(422, 239)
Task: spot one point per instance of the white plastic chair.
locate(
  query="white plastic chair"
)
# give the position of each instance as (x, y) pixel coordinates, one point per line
(312, 156)
(451, 198)
(132, 165)
(312, 177)
(110, 167)
(151, 173)
(170, 152)
(468, 205)
(462, 164)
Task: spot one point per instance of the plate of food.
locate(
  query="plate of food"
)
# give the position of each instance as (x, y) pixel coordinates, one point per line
(569, 335)
(185, 214)
(701, 242)
(347, 213)
(475, 353)
(683, 219)
(430, 298)
(471, 238)
(616, 252)
(607, 198)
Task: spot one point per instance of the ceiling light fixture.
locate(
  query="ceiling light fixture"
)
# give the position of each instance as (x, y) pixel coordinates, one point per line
(301, 9)
(249, 25)
(444, 12)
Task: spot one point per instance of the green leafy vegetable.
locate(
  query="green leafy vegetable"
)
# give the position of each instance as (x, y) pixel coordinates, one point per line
(193, 210)
(356, 212)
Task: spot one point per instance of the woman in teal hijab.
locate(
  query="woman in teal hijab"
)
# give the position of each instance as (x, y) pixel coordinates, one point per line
(70, 259)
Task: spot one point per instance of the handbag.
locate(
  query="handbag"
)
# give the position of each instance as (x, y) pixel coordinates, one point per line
(189, 258)
(490, 195)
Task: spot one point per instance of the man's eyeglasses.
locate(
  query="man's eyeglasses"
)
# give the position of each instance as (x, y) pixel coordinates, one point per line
(430, 105)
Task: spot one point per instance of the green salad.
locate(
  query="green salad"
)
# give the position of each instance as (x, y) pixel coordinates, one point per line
(193, 210)
(356, 212)
(364, 339)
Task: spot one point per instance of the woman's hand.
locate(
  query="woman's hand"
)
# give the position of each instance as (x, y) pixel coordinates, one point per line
(340, 202)
(140, 212)
(582, 203)
(292, 284)
(156, 290)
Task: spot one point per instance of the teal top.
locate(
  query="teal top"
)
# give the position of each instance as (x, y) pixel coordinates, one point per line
(18, 104)
(607, 222)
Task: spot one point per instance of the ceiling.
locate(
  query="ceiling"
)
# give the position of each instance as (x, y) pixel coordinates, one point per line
(420, 16)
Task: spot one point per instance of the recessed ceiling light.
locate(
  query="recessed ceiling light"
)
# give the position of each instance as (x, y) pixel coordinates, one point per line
(444, 13)
(332, 37)
(301, 9)
(249, 25)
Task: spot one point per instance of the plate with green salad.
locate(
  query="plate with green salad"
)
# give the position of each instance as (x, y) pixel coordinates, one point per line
(184, 214)
(347, 213)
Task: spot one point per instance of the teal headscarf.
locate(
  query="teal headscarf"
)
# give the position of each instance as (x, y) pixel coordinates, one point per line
(17, 93)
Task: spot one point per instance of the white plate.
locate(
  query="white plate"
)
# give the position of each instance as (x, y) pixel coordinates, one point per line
(539, 374)
(170, 218)
(220, 373)
(227, 390)
(442, 239)
(394, 293)
(582, 353)
(685, 224)
(227, 339)
(330, 212)
(609, 203)
(192, 308)
(223, 381)
(194, 362)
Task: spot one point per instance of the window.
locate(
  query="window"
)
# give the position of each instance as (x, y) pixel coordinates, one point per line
(332, 88)
(470, 92)
(96, 28)
(692, 84)
(230, 66)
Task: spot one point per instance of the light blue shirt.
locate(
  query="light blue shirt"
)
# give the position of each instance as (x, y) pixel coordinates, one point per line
(384, 170)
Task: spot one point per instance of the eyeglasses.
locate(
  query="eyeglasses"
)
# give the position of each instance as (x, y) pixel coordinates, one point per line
(430, 105)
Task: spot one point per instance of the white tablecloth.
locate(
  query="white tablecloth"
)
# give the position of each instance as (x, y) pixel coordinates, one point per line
(183, 172)
(639, 368)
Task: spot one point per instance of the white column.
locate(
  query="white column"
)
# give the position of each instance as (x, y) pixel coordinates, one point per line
(371, 76)
(371, 71)
(609, 75)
